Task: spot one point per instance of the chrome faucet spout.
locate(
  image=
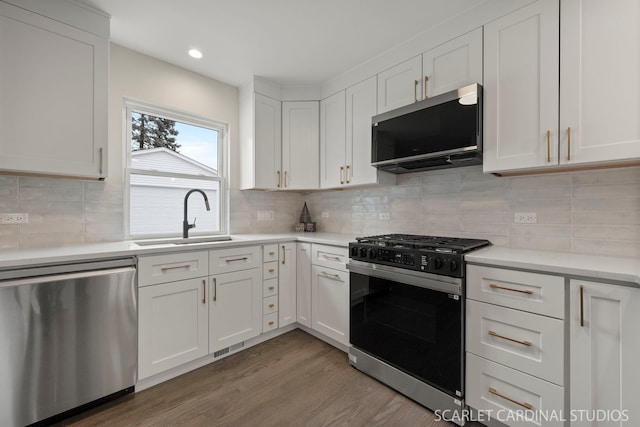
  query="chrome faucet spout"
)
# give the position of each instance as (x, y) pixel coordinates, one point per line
(185, 223)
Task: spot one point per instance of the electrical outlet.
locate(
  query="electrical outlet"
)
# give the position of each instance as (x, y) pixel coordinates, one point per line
(266, 215)
(525, 218)
(14, 218)
(324, 214)
(385, 216)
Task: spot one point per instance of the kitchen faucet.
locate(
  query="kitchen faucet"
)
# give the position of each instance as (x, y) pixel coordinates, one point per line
(185, 224)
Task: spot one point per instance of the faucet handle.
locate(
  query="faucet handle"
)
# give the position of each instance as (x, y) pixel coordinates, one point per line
(194, 222)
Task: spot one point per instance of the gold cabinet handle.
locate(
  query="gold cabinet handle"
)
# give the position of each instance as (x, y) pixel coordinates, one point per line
(271, 323)
(337, 276)
(347, 173)
(285, 179)
(569, 143)
(271, 270)
(215, 289)
(548, 146)
(278, 172)
(165, 269)
(581, 306)
(495, 334)
(426, 79)
(271, 288)
(415, 90)
(523, 404)
(236, 259)
(100, 171)
(271, 305)
(523, 291)
(284, 255)
(204, 291)
(272, 253)
(337, 258)
(341, 174)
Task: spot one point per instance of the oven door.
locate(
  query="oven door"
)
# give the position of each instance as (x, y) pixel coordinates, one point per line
(412, 322)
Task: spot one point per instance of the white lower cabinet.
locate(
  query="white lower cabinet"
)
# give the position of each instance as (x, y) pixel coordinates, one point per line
(303, 284)
(330, 303)
(605, 348)
(515, 343)
(172, 325)
(235, 308)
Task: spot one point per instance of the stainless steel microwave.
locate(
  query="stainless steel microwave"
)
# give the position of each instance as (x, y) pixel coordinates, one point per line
(440, 132)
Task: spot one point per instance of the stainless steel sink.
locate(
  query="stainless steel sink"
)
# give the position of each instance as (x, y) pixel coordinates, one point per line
(181, 241)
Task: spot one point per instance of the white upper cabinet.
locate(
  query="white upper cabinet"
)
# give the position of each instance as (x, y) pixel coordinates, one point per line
(400, 85)
(345, 138)
(332, 140)
(300, 150)
(521, 63)
(452, 65)
(551, 97)
(53, 102)
(268, 141)
(600, 83)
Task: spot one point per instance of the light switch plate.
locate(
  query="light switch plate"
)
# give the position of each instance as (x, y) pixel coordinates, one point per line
(14, 218)
(525, 218)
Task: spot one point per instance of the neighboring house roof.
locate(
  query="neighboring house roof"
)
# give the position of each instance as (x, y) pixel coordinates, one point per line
(166, 160)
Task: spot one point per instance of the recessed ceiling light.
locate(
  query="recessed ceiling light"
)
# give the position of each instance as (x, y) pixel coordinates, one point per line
(195, 53)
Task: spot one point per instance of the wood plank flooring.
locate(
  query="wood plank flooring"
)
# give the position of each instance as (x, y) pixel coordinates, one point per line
(292, 380)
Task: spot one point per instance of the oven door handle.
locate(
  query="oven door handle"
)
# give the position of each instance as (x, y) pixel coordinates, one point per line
(390, 273)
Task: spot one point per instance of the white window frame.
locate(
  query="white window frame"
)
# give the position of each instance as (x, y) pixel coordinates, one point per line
(132, 105)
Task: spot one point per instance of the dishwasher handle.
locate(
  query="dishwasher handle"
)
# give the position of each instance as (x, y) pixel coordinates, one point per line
(67, 276)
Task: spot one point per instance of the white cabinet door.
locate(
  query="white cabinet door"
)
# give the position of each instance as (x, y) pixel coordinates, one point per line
(521, 67)
(287, 287)
(172, 325)
(604, 348)
(599, 69)
(452, 65)
(303, 281)
(400, 85)
(267, 142)
(360, 108)
(332, 140)
(330, 303)
(300, 145)
(53, 102)
(235, 301)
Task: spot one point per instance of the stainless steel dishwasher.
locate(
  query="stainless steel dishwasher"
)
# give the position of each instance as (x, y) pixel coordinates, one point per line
(68, 338)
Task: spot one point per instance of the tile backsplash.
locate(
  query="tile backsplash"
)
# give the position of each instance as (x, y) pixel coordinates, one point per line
(581, 212)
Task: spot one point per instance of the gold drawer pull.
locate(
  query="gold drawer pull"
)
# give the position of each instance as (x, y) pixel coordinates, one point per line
(494, 334)
(272, 253)
(271, 323)
(236, 259)
(337, 258)
(337, 276)
(271, 305)
(524, 291)
(165, 269)
(271, 288)
(271, 270)
(523, 404)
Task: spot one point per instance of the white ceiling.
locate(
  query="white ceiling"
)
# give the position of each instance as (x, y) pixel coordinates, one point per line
(291, 42)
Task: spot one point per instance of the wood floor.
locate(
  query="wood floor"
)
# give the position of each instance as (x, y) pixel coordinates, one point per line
(292, 380)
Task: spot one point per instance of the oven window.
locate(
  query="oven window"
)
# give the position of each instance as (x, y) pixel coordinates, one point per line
(416, 330)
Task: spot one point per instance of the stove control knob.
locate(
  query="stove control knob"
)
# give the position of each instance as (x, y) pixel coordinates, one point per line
(354, 251)
(436, 263)
(453, 266)
(373, 254)
(363, 252)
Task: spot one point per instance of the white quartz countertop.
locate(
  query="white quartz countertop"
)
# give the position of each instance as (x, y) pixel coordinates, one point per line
(21, 258)
(596, 267)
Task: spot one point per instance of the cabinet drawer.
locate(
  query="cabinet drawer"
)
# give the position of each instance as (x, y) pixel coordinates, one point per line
(270, 253)
(270, 288)
(499, 390)
(234, 259)
(330, 256)
(171, 267)
(270, 322)
(270, 270)
(534, 292)
(528, 342)
(270, 305)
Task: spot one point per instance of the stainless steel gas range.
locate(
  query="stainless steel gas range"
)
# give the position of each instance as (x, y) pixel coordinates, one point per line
(407, 314)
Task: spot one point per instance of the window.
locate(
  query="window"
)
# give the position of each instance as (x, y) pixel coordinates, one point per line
(170, 153)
